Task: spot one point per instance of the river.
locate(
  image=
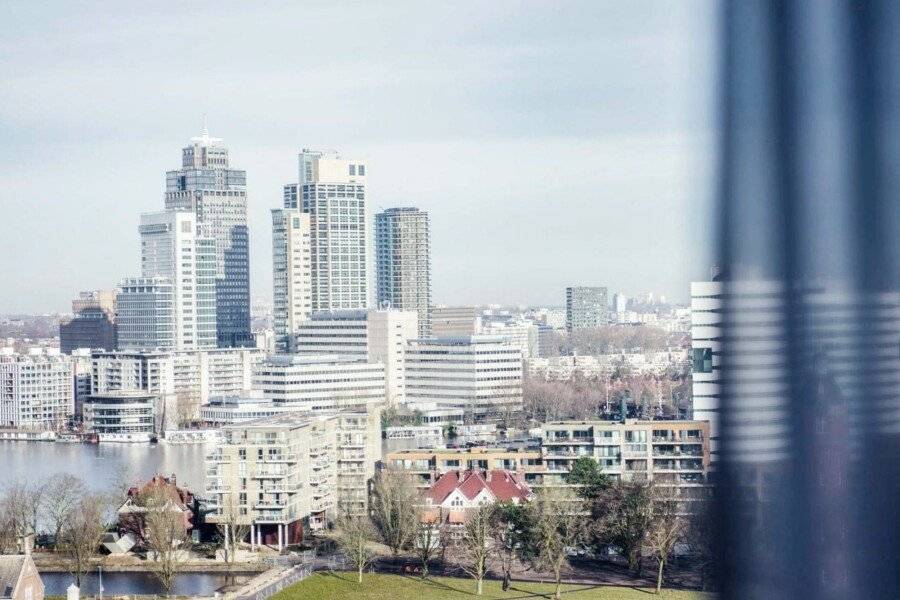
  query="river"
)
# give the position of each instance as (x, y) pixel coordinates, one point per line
(101, 464)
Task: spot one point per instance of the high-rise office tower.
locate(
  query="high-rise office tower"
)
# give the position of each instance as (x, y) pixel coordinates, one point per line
(332, 189)
(217, 195)
(403, 263)
(291, 274)
(585, 307)
(145, 318)
(172, 248)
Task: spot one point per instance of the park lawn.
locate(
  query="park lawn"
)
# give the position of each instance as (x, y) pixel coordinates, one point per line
(329, 586)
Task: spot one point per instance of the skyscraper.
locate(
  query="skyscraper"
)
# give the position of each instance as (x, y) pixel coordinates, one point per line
(332, 189)
(403, 262)
(585, 307)
(172, 248)
(217, 195)
(291, 274)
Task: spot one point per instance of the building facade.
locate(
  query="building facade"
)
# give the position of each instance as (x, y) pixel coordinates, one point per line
(673, 454)
(148, 371)
(480, 374)
(586, 307)
(372, 335)
(93, 325)
(706, 350)
(145, 317)
(172, 248)
(321, 383)
(125, 416)
(289, 473)
(216, 194)
(427, 465)
(455, 321)
(403, 263)
(36, 391)
(332, 190)
(291, 274)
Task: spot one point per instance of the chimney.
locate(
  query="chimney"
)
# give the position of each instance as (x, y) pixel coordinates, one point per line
(488, 478)
(173, 480)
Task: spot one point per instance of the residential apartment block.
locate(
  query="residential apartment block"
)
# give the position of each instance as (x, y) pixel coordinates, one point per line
(292, 472)
(332, 190)
(428, 465)
(586, 307)
(403, 263)
(124, 416)
(36, 391)
(291, 274)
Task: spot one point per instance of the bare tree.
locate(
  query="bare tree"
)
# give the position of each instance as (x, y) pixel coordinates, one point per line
(559, 517)
(627, 518)
(427, 541)
(476, 548)
(354, 534)
(394, 508)
(9, 528)
(666, 529)
(23, 502)
(232, 531)
(81, 533)
(165, 532)
(62, 495)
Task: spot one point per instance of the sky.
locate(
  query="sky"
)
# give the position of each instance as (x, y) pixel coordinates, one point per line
(553, 143)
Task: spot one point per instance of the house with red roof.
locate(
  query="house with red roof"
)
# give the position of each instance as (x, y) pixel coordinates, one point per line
(455, 492)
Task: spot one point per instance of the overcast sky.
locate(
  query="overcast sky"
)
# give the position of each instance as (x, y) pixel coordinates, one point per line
(553, 143)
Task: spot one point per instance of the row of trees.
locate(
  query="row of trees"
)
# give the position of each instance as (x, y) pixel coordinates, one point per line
(645, 396)
(609, 339)
(71, 519)
(542, 534)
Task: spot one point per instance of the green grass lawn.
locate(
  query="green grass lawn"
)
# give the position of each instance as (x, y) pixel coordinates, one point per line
(329, 586)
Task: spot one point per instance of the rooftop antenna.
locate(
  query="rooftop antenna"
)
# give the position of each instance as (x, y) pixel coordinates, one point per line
(205, 131)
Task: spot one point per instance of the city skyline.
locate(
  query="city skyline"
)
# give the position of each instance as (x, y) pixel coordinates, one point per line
(527, 151)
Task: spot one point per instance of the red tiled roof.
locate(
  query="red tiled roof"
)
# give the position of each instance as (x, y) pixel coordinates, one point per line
(502, 485)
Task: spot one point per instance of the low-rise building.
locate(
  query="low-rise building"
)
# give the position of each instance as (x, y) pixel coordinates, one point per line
(126, 416)
(228, 410)
(428, 465)
(669, 453)
(19, 578)
(457, 492)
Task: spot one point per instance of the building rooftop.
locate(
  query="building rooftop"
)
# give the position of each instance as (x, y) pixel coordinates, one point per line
(11, 566)
(502, 485)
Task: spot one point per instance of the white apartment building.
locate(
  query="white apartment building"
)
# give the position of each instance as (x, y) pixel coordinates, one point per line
(321, 383)
(291, 274)
(373, 335)
(480, 374)
(145, 314)
(332, 189)
(289, 473)
(706, 349)
(123, 416)
(202, 374)
(148, 371)
(192, 376)
(82, 374)
(172, 248)
(36, 391)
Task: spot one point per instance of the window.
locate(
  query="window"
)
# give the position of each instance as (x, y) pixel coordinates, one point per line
(352, 169)
(702, 360)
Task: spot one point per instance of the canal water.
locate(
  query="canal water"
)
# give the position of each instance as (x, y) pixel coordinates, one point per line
(119, 583)
(101, 464)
